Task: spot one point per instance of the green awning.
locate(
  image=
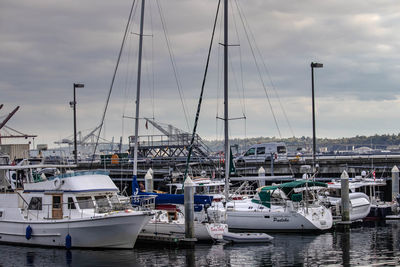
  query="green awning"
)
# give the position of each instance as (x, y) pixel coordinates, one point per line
(288, 187)
(264, 193)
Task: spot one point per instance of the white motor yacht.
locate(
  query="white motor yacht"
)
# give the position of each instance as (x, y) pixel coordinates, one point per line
(76, 209)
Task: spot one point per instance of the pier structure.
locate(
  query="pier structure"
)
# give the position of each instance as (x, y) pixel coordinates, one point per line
(377, 166)
(171, 145)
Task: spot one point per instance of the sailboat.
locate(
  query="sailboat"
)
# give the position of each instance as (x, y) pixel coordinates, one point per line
(168, 219)
(259, 213)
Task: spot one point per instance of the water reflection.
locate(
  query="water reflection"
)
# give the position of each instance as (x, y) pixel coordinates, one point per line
(366, 245)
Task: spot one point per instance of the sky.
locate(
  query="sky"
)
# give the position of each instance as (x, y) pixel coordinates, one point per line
(46, 46)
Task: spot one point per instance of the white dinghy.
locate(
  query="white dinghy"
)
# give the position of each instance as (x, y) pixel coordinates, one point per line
(247, 237)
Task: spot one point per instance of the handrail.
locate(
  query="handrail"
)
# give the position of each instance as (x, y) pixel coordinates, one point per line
(141, 203)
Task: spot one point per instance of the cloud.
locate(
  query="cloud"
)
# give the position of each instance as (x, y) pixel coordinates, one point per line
(47, 46)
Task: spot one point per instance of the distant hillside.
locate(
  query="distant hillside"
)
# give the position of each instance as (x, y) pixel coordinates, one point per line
(385, 141)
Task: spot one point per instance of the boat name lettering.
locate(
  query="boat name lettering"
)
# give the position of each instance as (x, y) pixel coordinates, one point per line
(280, 219)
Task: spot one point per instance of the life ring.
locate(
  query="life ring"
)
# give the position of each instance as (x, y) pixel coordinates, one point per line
(57, 183)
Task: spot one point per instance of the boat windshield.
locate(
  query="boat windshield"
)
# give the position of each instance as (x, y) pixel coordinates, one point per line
(102, 202)
(85, 202)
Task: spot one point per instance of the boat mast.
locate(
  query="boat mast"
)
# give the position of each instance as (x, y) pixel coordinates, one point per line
(226, 117)
(139, 73)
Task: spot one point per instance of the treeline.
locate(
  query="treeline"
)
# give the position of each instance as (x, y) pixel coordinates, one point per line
(294, 143)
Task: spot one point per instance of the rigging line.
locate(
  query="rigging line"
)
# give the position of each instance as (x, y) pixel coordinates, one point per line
(112, 82)
(201, 93)
(8, 127)
(174, 67)
(258, 69)
(129, 78)
(269, 75)
(240, 60)
(219, 80)
(236, 83)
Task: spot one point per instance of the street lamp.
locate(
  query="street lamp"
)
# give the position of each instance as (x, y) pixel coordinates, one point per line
(73, 105)
(314, 65)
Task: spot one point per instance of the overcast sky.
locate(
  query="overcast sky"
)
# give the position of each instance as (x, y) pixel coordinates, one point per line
(46, 46)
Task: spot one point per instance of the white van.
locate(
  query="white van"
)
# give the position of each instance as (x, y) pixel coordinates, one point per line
(263, 152)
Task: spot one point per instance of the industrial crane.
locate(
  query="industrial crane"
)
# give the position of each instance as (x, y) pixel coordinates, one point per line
(3, 125)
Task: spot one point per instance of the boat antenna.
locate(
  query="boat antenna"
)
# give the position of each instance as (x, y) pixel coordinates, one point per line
(201, 95)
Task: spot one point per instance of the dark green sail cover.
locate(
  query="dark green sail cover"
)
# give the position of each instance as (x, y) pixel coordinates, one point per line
(288, 187)
(266, 191)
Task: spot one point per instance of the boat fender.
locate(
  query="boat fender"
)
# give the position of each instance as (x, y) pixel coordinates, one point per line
(57, 183)
(68, 241)
(28, 232)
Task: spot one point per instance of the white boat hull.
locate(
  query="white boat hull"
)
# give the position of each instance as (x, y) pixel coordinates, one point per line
(203, 231)
(247, 237)
(115, 231)
(360, 205)
(262, 220)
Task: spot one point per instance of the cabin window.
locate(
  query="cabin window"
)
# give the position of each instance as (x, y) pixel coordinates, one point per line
(71, 203)
(250, 152)
(261, 151)
(56, 202)
(281, 149)
(35, 203)
(102, 202)
(85, 202)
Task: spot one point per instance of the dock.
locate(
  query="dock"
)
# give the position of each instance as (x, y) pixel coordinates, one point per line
(166, 239)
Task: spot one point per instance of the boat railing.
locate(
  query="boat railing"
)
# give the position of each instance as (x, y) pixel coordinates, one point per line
(87, 208)
(144, 202)
(73, 174)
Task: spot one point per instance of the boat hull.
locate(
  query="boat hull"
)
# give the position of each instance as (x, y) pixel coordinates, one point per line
(316, 219)
(203, 231)
(247, 237)
(116, 231)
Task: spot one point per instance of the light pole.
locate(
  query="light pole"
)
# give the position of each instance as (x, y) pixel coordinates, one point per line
(314, 65)
(73, 105)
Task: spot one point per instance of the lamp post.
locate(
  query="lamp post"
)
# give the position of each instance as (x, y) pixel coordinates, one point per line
(73, 105)
(314, 65)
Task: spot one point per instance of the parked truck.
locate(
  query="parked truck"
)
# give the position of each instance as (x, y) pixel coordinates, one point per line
(264, 152)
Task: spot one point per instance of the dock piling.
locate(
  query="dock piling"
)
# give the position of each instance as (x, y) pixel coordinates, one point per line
(261, 173)
(189, 209)
(395, 182)
(344, 179)
(149, 181)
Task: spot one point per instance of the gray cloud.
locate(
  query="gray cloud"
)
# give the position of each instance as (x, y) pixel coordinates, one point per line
(46, 46)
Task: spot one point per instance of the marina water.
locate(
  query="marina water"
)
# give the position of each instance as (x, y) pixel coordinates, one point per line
(370, 244)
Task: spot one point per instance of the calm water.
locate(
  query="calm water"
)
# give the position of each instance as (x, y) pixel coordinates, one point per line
(368, 245)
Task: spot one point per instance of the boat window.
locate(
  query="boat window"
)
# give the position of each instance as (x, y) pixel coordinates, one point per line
(114, 199)
(261, 151)
(85, 202)
(102, 202)
(56, 202)
(250, 152)
(35, 203)
(281, 149)
(71, 204)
